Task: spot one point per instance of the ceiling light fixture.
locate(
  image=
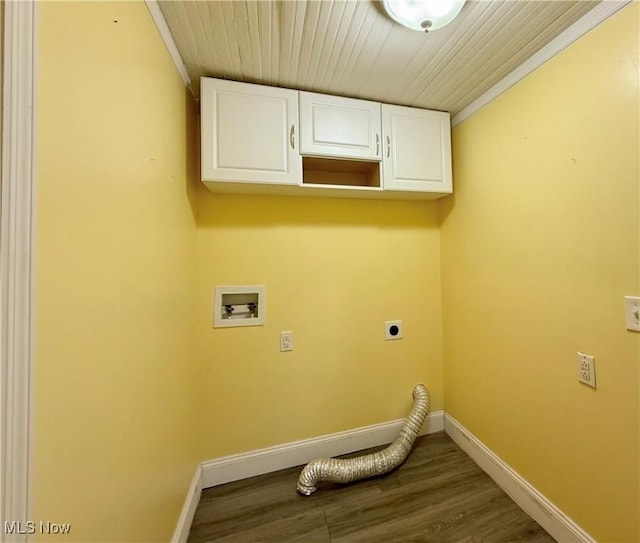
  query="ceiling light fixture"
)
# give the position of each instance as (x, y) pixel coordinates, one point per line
(423, 15)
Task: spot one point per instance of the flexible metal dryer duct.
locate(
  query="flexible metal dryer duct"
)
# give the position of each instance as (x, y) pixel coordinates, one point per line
(347, 470)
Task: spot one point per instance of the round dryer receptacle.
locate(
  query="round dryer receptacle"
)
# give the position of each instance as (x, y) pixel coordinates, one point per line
(392, 330)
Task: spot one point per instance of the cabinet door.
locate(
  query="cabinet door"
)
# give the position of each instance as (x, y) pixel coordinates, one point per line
(249, 133)
(417, 149)
(332, 126)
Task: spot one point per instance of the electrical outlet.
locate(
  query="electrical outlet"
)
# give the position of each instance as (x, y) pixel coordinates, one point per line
(286, 341)
(392, 330)
(586, 369)
(632, 312)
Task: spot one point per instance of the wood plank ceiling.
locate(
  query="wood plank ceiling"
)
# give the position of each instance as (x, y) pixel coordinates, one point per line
(351, 48)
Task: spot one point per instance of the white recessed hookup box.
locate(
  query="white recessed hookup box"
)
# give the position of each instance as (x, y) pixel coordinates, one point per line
(239, 305)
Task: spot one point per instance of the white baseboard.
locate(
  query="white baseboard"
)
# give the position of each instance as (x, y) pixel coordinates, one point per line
(181, 533)
(240, 466)
(536, 505)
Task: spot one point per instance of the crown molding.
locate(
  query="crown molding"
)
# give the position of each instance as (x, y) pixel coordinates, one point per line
(167, 38)
(589, 21)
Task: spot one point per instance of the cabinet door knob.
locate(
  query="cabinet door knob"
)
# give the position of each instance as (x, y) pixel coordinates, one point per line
(388, 146)
(377, 144)
(292, 136)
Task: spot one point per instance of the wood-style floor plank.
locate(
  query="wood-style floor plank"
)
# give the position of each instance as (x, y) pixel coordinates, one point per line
(439, 495)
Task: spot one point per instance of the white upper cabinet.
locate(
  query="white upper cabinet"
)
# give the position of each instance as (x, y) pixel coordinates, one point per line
(417, 150)
(256, 138)
(249, 133)
(333, 126)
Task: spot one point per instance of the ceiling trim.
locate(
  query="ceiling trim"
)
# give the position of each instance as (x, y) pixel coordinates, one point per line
(167, 38)
(590, 20)
(593, 18)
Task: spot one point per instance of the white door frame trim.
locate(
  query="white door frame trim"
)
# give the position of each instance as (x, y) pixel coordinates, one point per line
(16, 261)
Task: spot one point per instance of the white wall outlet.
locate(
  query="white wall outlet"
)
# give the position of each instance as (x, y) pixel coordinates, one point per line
(586, 369)
(286, 341)
(632, 312)
(392, 330)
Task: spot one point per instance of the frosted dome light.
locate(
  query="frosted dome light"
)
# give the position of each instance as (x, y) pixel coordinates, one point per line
(423, 15)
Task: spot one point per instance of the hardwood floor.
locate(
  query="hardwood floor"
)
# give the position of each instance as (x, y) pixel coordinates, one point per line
(439, 495)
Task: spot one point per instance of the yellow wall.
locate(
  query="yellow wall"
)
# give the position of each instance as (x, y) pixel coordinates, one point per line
(115, 383)
(334, 271)
(120, 399)
(539, 246)
(133, 386)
